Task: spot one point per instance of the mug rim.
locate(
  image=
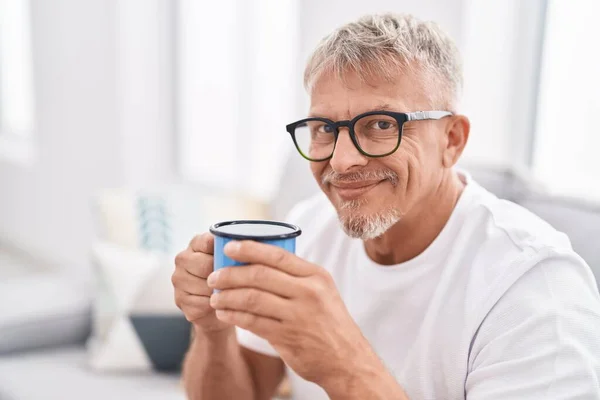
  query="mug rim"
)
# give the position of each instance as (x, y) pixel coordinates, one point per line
(296, 231)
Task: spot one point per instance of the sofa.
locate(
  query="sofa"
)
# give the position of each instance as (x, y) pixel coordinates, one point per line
(52, 364)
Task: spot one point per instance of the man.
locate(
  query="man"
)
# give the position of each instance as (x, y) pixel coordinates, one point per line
(410, 280)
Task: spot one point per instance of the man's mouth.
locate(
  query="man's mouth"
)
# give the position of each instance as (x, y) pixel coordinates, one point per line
(353, 190)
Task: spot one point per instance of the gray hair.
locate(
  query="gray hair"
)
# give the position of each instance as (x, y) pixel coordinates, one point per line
(381, 45)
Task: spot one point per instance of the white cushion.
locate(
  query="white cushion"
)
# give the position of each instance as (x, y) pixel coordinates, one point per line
(121, 277)
(42, 310)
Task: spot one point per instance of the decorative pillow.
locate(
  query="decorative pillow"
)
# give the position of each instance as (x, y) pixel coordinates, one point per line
(136, 324)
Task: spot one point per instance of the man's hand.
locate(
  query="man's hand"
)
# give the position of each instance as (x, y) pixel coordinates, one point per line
(192, 294)
(296, 307)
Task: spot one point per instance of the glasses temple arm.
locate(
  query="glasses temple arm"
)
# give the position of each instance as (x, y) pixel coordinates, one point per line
(423, 115)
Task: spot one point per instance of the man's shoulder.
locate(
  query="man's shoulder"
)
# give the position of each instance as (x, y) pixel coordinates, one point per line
(509, 244)
(504, 220)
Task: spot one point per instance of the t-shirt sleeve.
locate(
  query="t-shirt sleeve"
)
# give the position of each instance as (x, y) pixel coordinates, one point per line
(542, 338)
(255, 343)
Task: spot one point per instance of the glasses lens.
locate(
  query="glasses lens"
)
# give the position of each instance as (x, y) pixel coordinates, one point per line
(377, 134)
(315, 139)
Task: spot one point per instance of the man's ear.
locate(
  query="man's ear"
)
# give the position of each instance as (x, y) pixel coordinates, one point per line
(457, 135)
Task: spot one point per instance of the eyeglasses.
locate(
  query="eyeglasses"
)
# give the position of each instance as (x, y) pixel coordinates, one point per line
(374, 134)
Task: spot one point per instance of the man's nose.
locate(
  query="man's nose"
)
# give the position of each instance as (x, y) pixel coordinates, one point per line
(346, 155)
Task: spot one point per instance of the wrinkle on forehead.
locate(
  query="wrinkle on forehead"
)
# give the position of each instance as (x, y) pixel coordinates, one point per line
(336, 98)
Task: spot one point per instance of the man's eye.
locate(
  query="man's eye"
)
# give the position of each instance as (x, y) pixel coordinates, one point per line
(383, 125)
(325, 129)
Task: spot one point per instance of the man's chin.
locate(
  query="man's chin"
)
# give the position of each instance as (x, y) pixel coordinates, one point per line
(365, 226)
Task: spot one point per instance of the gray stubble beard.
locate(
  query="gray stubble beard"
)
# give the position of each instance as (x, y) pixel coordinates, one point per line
(365, 227)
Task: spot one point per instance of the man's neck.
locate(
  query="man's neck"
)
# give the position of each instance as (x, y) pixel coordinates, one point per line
(418, 229)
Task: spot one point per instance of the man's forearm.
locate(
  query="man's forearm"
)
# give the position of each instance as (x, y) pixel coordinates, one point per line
(369, 380)
(383, 387)
(215, 368)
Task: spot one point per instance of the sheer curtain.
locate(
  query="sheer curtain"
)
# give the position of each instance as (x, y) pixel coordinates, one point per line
(237, 76)
(16, 69)
(567, 142)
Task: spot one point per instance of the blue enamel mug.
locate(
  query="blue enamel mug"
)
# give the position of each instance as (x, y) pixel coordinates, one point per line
(275, 233)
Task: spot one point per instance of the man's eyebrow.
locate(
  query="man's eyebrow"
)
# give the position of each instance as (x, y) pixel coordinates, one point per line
(379, 107)
(382, 107)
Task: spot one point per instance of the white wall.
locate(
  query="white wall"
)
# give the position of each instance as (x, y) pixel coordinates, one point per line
(501, 53)
(145, 84)
(87, 120)
(44, 207)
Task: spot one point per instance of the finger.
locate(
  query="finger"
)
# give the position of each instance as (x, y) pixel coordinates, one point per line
(196, 264)
(251, 252)
(253, 301)
(203, 243)
(199, 303)
(194, 307)
(261, 326)
(190, 284)
(255, 276)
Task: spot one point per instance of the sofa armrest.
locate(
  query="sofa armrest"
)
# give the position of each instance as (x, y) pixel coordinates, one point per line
(42, 310)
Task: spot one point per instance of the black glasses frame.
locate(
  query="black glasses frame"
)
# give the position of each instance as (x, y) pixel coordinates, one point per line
(400, 118)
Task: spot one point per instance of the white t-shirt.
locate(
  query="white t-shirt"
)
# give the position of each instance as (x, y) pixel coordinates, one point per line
(497, 307)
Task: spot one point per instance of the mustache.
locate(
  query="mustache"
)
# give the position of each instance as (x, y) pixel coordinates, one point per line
(360, 176)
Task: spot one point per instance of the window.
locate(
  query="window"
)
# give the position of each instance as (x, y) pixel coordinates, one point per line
(236, 91)
(501, 47)
(16, 78)
(567, 141)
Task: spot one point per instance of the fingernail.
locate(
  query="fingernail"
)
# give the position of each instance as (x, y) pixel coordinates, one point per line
(212, 278)
(232, 247)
